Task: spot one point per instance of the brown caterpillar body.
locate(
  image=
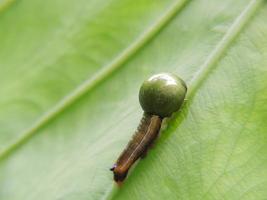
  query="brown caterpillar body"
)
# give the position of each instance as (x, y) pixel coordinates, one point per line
(145, 135)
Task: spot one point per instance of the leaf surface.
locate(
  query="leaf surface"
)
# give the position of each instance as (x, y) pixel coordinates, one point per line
(70, 75)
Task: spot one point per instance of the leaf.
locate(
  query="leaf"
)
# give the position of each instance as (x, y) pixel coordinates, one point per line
(70, 75)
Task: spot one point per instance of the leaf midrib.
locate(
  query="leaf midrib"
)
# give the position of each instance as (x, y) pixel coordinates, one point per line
(101, 75)
(213, 58)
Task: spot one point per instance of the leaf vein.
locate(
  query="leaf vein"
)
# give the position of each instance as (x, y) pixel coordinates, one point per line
(211, 61)
(101, 75)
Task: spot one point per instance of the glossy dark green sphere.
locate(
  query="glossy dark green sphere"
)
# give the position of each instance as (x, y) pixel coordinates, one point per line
(162, 94)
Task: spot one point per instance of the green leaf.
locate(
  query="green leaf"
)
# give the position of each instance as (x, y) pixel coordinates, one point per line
(70, 75)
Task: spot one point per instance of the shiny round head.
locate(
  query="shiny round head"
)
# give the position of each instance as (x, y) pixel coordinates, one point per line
(162, 94)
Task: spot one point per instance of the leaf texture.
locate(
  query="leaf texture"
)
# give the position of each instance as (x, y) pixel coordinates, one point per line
(70, 75)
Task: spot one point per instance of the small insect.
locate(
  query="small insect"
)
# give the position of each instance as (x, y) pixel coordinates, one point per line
(159, 96)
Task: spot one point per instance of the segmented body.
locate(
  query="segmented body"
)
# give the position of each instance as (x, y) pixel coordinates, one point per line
(145, 135)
